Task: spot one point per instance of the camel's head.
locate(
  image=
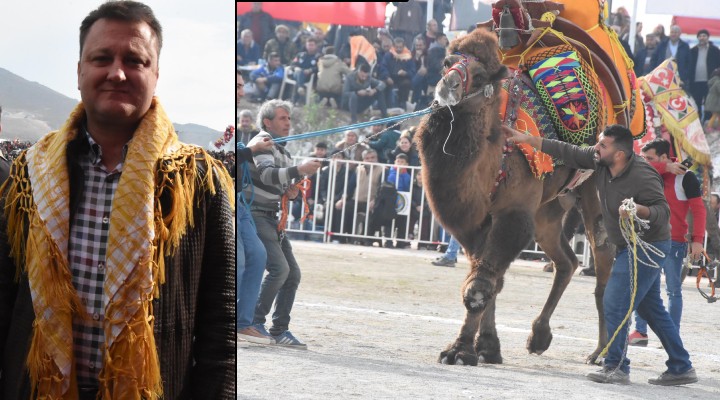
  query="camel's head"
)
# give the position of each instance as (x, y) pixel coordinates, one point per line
(472, 68)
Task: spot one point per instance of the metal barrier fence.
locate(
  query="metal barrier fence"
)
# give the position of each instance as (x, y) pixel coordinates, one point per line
(331, 218)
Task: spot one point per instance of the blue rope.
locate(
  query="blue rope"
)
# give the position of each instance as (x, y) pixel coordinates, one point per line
(245, 182)
(353, 126)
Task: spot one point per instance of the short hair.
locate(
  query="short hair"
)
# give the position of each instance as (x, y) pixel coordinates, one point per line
(701, 31)
(364, 68)
(367, 152)
(622, 136)
(246, 114)
(675, 28)
(661, 146)
(329, 50)
(273, 55)
(281, 27)
(267, 110)
(246, 32)
(402, 156)
(321, 145)
(312, 39)
(124, 10)
(354, 132)
(398, 40)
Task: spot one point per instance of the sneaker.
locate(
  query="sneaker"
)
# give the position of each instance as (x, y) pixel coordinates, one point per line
(609, 375)
(667, 378)
(253, 335)
(444, 262)
(638, 339)
(287, 339)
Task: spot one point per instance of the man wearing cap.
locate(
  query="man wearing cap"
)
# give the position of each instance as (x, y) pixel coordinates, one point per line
(704, 59)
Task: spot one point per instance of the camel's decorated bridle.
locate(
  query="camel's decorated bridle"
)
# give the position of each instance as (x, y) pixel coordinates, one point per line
(461, 67)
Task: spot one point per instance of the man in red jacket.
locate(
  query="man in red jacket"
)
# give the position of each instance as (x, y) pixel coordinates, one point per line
(683, 193)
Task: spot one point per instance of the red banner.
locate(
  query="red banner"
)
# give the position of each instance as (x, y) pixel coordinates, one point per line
(691, 25)
(370, 14)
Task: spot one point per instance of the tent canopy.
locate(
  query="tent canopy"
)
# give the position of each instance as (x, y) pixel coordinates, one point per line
(370, 14)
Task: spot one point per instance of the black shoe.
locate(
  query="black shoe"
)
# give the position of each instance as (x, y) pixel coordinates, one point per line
(389, 245)
(587, 271)
(669, 379)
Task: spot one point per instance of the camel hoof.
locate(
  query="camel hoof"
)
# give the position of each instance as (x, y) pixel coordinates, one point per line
(537, 343)
(592, 359)
(458, 354)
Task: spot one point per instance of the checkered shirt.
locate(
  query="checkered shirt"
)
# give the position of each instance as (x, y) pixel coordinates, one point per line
(88, 246)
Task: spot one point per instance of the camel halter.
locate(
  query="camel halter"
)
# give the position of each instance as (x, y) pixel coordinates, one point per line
(461, 67)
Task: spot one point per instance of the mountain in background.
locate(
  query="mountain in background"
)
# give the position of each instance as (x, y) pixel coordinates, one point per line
(30, 110)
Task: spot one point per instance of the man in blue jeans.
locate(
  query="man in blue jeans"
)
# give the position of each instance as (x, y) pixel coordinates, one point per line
(683, 193)
(450, 257)
(620, 175)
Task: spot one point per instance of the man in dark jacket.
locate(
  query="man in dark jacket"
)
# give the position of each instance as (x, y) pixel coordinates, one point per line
(360, 91)
(397, 69)
(621, 174)
(306, 65)
(704, 59)
(259, 22)
(117, 248)
(673, 46)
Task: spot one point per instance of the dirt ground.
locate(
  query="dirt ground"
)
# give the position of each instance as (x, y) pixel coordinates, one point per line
(375, 321)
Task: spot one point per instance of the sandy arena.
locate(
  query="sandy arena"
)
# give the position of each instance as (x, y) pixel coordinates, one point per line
(375, 321)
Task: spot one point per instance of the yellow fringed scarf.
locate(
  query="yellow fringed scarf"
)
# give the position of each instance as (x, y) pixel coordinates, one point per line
(139, 239)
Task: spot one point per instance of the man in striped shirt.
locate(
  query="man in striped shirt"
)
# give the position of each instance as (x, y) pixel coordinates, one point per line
(273, 176)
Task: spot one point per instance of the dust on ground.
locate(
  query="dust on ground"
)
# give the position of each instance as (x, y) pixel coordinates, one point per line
(376, 319)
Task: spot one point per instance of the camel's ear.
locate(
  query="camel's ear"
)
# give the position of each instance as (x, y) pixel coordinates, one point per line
(501, 74)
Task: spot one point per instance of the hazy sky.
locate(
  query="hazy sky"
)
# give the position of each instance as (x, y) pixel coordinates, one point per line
(39, 40)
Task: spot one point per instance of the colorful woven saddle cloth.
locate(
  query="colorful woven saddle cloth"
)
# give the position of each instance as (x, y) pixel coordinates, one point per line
(525, 112)
(570, 92)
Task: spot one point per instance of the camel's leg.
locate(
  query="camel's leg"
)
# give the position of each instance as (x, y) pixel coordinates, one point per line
(509, 233)
(487, 344)
(603, 255)
(549, 236)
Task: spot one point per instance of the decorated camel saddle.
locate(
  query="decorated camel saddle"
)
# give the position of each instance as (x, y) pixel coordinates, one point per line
(570, 75)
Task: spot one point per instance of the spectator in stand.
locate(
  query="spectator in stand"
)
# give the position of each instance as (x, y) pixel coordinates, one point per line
(400, 177)
(622, 36)
(406, 147)
(442, 40)
(386, 44)
(683, 193)
(712, 101)
(639, 44)
(368, 178)
(259, 22)
(350, 147)
(428, 75)
(420, 213)
(246, 130)
(358, 50)
(643, 59)
(431, 33)
(319, 36)
(281, 45)
(319, 153)
(419, 51)
(385, 142)
(677, 48)
(407, 20)
(397, 70)
(343, 192)
(704, 59)
(248, 52)
(306, 65)
(659, 32)
(268, 78)
(360, 91)
(331, 72)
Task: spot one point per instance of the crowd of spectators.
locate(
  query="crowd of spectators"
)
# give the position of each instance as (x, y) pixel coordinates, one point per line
(12, 148)
(347, 67)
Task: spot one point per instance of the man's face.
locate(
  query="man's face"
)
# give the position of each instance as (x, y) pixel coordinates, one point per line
(399, 47)
(420, 45)
(246, 122)
(247, 39)
(118, 71)
(274, 62)
(432, 26)
(282, 35)
(310, 46)
(240, 85)
(605, 151)
(256, 7)
(280, 125)
(386, 44)
(319, 35)
(703, 39)
(370, 157)
(362, 75)
(675, 33)
(321, 152)
(652, 156)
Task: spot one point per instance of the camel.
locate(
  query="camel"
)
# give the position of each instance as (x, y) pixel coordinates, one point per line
(490, 201)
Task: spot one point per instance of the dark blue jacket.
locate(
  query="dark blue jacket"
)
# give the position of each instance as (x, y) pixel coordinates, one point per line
(682, 57)
(246, 56)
